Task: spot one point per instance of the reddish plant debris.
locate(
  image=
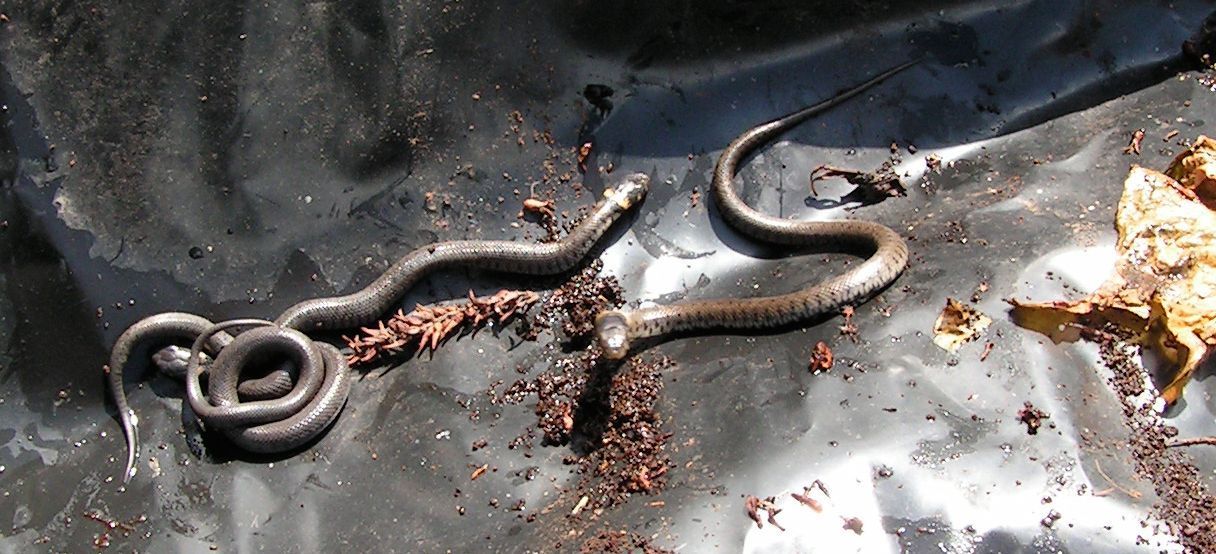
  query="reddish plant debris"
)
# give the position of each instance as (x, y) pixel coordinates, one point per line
(542, 208)
(848, 328)
(753, 505)
(112, 526)
(481, 470)
(1032, 417)
(542, 211)
(884, 183)
(427, 326)
(584, 152)
(620, 542)
(987, 350)
(821, 358)
(1133, 145)
(805, 496)
(805, 499)
(853, 524)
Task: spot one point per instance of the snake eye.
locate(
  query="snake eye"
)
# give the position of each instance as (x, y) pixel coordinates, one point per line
(612, 332)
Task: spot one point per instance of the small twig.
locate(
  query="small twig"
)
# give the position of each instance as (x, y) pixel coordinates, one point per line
(1210, 441)
(1133, 145)
(1134, 494)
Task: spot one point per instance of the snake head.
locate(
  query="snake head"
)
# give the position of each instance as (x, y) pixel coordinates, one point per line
(612, 332)
(631, 190)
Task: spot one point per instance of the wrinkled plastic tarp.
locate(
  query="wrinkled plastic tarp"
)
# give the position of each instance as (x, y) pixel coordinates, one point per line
(232, 158)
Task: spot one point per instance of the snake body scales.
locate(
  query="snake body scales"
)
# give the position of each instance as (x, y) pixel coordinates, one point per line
(617, 330)
(273, 414)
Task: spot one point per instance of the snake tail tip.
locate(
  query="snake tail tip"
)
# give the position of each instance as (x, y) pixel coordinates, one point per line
(132, 435)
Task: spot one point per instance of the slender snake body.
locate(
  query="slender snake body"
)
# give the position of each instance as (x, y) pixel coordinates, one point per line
(617, 330)
(273, 414)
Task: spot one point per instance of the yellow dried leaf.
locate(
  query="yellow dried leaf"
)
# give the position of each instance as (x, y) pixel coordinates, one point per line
(1164, 289)
(957, 324)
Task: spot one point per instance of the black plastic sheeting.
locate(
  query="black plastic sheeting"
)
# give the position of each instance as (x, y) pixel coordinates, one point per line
(232, 158)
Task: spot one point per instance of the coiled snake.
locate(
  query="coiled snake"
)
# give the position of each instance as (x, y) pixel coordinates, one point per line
(271, 414)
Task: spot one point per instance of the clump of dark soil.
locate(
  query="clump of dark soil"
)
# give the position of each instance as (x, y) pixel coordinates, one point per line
(619, 432)
(574, 305)
(1032, 417)
(605, 411)
(1184, 502)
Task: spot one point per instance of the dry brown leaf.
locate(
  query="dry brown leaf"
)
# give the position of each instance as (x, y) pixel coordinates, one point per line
(1164, 290)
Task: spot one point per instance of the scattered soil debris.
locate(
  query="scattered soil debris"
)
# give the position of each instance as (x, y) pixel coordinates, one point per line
(1032, 417)
(980, 291)
(1133, 146)
(853, 524)
(958, 324)
(1161, 290)
(1184, 502)
(574, 305)
(1050, 519)
(428, 326)
(821, 358)
(620, 542)
(933, 163)
(871, 187)
(623, 432)
(607, 415)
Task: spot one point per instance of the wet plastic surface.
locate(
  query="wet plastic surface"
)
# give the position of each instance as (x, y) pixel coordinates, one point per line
(232, 159)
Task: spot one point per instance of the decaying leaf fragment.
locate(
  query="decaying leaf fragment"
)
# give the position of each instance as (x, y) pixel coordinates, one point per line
(1163, 292)
(957, 324)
